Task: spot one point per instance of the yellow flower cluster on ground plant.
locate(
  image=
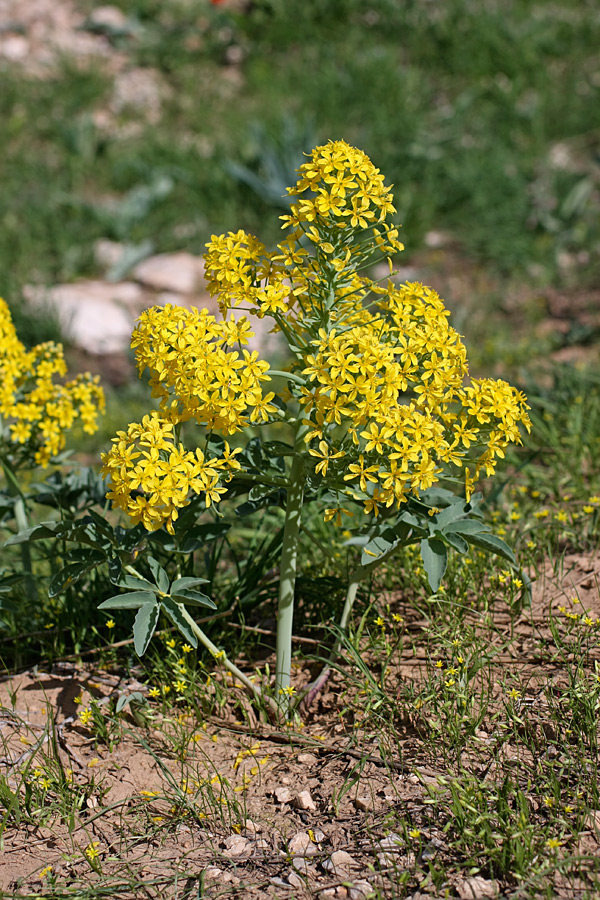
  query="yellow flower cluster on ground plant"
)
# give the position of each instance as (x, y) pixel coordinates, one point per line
(36, 410)
(378, 400)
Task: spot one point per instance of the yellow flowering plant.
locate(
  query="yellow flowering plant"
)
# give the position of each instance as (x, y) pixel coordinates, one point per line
(378, 416)
(38, 408)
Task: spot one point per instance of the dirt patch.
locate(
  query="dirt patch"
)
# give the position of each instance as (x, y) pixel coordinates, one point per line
(176, 803)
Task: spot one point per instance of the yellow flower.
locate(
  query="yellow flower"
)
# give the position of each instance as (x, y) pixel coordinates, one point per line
(110, 623)
(91, 851)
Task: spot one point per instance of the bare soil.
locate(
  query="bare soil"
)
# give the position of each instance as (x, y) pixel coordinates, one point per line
(270, 813)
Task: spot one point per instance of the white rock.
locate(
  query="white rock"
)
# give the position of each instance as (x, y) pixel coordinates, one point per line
(178, 272)
(476, 887)
(235, 845)
(295, 880)
(97, 317)
(359, 890)
(301, 845)
(303, 800)
(14, 47)
(340, 863)
(107, 253)
(326, 894)
(108, 17)
(307, 759)
(283, 795)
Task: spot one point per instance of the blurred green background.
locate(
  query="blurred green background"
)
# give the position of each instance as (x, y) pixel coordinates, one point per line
(485, 115)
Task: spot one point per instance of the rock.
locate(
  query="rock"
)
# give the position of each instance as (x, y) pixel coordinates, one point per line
(251, 827)
(107, 253)
(279, 882)
(217, 874)
(235, 845)
(301, 845)
(318, 835)
(340, 863)
(326, 894)
(139, 89)
(14, 47)
(295, 880)
(476, 887)
(301, 865)
(97, 317)
(110, 17)
(307, 759)
(359, 890)
(303, 800)
(366, 804)
(283, 795)
(180, 272)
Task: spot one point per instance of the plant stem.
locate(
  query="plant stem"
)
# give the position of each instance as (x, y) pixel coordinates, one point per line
(356, 576)
(231, 667)
(287, 572)
(22, 525)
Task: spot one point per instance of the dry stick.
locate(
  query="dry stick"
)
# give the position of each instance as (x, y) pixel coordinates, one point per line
(283, 737)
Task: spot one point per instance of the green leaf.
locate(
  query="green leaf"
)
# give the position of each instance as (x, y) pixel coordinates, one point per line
(179, 618)
(435, 559)
(456, 541)
(67, 576)
(38, 532)
(131, 600)
(377, 548)
(85, 555)
(466, 526)
(494, 544)
(186, 583)
(162, 579)
(144, 625)
(136, 582)
(192, 598)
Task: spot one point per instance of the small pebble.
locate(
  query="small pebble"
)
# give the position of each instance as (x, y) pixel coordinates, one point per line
(340, 863)
(295, 880)
(359, 890)
(283, 795)
(303, 800)
(301, 845)
(235, 845)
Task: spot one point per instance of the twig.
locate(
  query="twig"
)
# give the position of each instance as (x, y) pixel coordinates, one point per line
(291, 737)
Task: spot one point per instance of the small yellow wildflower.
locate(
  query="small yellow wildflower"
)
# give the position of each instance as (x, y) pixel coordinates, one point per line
(91, 851)
(111, 623)
(85, 715)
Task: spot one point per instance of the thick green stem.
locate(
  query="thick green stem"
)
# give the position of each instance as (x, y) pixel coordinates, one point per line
(23, 524)
(287, 575)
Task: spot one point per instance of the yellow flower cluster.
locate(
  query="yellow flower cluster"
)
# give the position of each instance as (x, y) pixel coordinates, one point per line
(36, 411)
(152, 475)
(379, 376)
(194, 374)
(396, 385)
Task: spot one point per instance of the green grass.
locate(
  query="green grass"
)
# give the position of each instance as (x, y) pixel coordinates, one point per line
(460, 108)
